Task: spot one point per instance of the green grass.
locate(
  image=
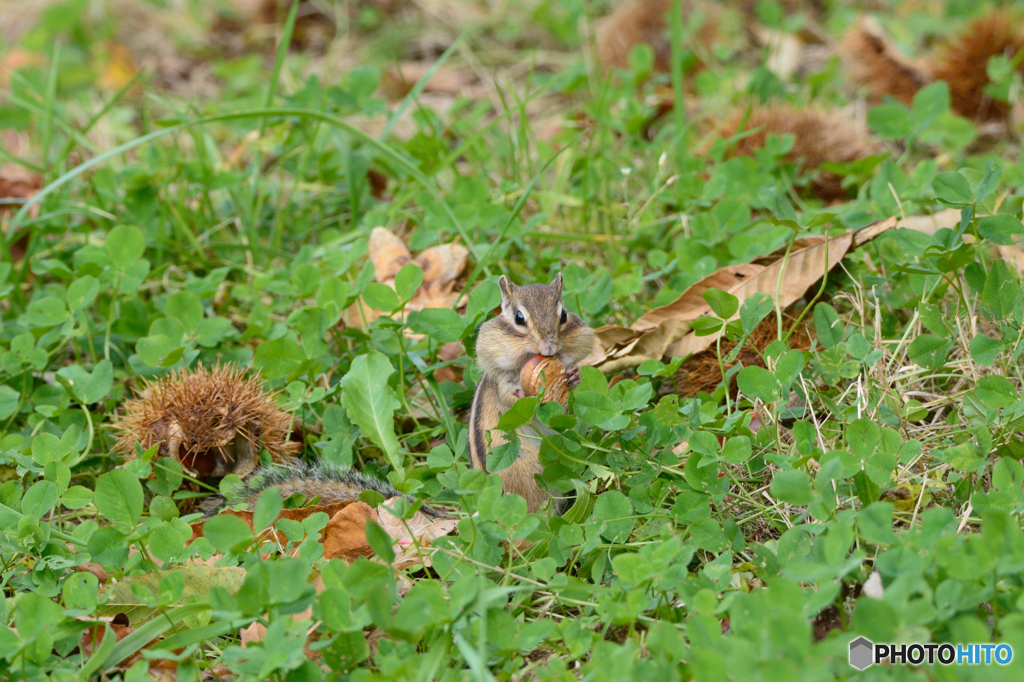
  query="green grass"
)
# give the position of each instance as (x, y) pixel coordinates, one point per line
(173, 229)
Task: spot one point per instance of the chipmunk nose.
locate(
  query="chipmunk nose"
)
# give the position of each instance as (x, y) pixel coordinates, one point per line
(547, 348)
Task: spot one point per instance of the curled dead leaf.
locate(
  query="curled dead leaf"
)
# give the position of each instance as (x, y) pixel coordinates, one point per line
(95, 569)
(665, 331)
(442, 265)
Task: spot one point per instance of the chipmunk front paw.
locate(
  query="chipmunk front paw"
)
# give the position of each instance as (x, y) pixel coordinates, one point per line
(572, 376)
(518, 393)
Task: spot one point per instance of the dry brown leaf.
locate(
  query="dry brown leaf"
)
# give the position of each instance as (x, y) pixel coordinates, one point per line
(666, 331)
(449, 351)
(95, 569)
(14, 184)
(399, 80)
(253, 634)
(1012, 254)
(291, 514)
(345, 537)
(442, 265)
(930, 224)
(388, 253)
(159, 668)
(420, 530)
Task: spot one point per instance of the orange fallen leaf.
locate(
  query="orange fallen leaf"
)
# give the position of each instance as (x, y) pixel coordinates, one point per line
(254, 633)
(291, 514)
(345, 535)
(118, 66)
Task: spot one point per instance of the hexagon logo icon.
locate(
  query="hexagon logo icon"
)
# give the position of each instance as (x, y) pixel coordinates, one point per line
(862, 653)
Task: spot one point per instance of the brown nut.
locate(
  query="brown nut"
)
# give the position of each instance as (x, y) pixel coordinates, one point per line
(547, 374)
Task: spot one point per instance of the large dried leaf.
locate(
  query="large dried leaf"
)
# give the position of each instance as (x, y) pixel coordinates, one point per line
(665, 331)
(442, 266)
(198, 580)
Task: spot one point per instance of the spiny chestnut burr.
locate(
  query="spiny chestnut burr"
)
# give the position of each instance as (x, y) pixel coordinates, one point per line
(214, 422)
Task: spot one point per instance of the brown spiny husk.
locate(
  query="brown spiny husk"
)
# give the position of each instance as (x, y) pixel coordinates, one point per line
(703, 373)
(962, 63)
(819, 137)
(214, 422)
(645, 21)
(870, 60)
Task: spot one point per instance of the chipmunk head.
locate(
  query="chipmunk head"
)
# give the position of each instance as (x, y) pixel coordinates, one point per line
(535, 314)
(532, 322)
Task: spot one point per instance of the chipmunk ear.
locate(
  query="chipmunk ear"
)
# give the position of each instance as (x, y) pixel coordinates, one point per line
(557, 284)
(506, 286)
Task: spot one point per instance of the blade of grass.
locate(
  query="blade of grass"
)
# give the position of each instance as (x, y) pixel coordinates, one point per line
(138, 639)
(482, 263)
(50, 102)
(100, 654)
(70, 142)
(256, 204)
(678, 112)
(400, 159)
(418, 88)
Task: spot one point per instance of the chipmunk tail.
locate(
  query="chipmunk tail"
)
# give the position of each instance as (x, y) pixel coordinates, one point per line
(331, 483)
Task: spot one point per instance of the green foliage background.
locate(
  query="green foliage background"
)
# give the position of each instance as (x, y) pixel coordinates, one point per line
(891, 446)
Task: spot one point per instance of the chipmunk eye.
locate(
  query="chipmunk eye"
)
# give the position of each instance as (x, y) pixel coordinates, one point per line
(520, 318)
(565, 316)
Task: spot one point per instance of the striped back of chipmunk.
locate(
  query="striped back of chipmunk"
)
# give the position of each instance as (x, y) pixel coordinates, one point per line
(482, 418)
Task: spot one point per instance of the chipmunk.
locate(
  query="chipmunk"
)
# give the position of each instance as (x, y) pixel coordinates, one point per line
(532, 321)
(333, 484)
